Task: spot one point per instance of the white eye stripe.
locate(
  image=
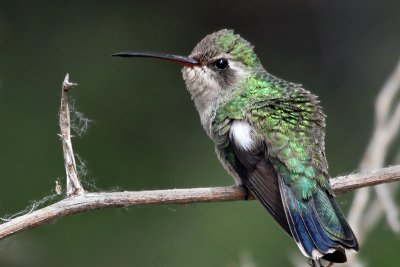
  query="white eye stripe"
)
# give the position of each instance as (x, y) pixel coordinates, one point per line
(240, 70)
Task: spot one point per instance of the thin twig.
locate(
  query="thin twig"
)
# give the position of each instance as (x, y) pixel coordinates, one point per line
(375, 212)
(91, 201)
(74, 186)
(363, 214)
(346, 183)
(388, 204)
(376, 151)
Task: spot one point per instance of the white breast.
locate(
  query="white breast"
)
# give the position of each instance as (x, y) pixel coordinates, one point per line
(242, 134)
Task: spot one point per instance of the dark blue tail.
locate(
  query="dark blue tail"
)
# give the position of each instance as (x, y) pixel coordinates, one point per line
(318, 225)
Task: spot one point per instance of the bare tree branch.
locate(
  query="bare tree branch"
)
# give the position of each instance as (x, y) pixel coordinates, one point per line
(364, 215)
(74, 186)
(375, 211)
(346, 183)
(78, 200)
(91, 201)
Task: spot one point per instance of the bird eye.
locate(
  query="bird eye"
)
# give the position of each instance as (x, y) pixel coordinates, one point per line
(221, 63)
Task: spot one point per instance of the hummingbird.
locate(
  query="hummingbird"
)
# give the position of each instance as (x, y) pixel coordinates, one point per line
(269, 135)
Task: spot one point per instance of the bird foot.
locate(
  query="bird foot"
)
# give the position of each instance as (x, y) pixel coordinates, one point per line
(246, 192)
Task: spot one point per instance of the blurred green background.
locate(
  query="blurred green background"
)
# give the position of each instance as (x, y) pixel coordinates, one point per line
(146, 133)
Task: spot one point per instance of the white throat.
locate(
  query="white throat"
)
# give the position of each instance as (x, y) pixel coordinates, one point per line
(207, 88)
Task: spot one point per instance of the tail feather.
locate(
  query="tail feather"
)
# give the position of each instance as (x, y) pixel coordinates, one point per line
(333, 221)
(302, 226)
(303, 241)
(317, 225)
(351, 240)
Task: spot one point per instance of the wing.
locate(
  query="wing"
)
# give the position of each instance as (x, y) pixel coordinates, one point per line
(278, 152)
(254, 171)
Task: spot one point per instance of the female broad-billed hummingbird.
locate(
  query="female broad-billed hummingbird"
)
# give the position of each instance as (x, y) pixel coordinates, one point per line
(269, 135)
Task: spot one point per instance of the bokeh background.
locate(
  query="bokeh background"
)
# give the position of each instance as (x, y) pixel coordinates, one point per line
(146, 133)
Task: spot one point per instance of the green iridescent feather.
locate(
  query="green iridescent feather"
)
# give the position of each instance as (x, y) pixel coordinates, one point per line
(285, 165)
(269, 134)
(290, 121)
(238, 47)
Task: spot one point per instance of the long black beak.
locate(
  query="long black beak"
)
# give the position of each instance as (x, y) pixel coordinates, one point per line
(187, 61)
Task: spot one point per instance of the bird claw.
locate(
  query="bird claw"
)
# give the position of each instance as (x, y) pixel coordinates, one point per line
(246, 192)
